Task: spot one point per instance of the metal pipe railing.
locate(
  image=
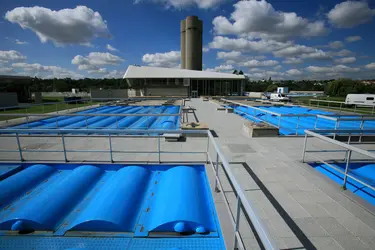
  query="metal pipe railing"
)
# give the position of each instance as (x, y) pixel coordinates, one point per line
(348, 153)
(242, 202)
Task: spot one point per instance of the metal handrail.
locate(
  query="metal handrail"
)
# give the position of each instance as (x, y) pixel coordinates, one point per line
(348, 153)
(248, 208)
(241, 104)
(241, 199)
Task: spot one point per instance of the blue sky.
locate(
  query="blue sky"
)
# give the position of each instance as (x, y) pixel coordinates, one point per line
(278, 39)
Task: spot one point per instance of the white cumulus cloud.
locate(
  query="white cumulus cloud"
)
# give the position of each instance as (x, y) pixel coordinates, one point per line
(335, 69)
(232, 55)
(335, 45)
(242, 44)
(19, 42)
(36, 69)
(351, 13)
(346, 60)
(293, 60)
(259, 18)
(221, 68)
(370, 66)
(67, 26)
(181, 4)
(169, 59)
(351, 39)
(294, 72)
(95, 59)
(11, 55)
(111, 48)
(256, 63)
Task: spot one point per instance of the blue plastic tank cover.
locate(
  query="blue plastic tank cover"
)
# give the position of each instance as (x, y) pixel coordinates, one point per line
(181, 227)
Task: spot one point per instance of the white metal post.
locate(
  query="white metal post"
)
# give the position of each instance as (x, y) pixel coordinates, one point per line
(159, 148)
(297, 125)
(347, 169)
(217, 172)
(19, 146)
(64, 148)
(237, 225)
(110, 147)
(304, 148)
(208, 148)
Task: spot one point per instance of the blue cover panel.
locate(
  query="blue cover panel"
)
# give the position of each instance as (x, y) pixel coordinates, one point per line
(363, 171)
(167, 210)
(107, 206)
(288, 125)
(101, 122)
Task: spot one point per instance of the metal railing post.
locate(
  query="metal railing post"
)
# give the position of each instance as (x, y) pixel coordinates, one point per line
(297, 125)
(347, 169)
(87, 124)
(361, 128)
(19, 147)
(237, 222)
(340, 106)
(304, 148)
(207, 149)
(355, 108)
(116, 122)
(217, 172)
(110, 147)
(64, 148)
(159, 148)
(334, 135)
(279, 121)
(372, 112)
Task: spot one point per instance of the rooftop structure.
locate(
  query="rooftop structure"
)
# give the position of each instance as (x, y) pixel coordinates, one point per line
(193, 83)
(191, 43)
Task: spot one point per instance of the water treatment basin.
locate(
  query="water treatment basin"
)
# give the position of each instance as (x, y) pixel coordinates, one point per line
(61, 206)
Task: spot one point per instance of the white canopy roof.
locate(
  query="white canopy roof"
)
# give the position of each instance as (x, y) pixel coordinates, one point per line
(153, 72)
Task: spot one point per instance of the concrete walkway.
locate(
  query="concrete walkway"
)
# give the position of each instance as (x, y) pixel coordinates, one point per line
(300, 207)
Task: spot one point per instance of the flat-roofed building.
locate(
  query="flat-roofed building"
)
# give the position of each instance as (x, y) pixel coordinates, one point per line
(183, 82)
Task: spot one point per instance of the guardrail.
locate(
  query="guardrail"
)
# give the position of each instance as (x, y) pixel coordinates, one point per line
(220, 161)
(348, 149)
(341, 108)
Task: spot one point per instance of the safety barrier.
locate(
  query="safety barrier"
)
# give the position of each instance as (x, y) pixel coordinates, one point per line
(347, 149)
(341, 106)
(219, 161)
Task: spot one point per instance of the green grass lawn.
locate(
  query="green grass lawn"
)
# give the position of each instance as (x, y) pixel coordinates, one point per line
(42, 109)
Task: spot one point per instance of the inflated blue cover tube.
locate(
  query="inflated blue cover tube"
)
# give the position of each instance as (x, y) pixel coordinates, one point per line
(46, 121)
(50, 207)
(145, 122)
(133, 110)
(88, 111)
(91, 119)
(105, 121)
(116, 206)
(181, 203)
(171, 121)
(16, 185)
(132, 119)
(75, 119)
